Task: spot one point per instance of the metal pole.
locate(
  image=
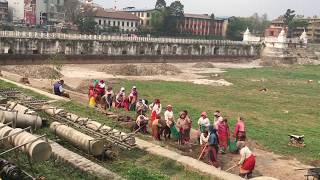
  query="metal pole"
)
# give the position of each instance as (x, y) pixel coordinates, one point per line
(34, 140)
(28, 128)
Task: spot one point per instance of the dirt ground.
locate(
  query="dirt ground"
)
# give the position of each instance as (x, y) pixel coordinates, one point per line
(77, 77)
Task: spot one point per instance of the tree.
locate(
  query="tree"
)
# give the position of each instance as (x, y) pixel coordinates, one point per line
(288, 16)
(236, 26)
(160, 4)
(72, 10)
(287, 19)
(87, 24)
(176, 9)
(158, 19)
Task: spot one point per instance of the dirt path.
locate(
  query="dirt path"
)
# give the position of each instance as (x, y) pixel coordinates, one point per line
(268, 163)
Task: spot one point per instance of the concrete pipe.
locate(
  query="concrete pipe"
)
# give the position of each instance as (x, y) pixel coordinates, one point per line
(96, 126)
(4, 131)
(20, 108)
(38, 150)
(52, 110)
(21, 120)
(78, 139)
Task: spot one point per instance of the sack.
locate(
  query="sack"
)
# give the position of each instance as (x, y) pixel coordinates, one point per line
(174, 132)
(232, 146)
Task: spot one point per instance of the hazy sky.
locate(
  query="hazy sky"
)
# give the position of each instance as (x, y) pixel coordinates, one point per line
(273, 8)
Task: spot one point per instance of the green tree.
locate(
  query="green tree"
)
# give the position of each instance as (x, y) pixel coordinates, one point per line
(160, 4)
(288, 16)
(176, 9)
(86, 24)
(287, 20)
(72, 10)
(157, 20)
(237, 25)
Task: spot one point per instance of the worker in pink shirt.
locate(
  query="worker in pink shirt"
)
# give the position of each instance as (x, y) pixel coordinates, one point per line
(240, 130)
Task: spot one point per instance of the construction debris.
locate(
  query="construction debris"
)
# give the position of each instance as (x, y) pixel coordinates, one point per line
(78, 139)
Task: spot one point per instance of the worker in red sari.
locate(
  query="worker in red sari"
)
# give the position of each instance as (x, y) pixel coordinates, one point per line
(92, 96)
(223, 135)
(240, 130)
(247, 161)
(120, 98)
(213, 147)
(100, 90)
(184, 126)
(155, 109)
(155, 128)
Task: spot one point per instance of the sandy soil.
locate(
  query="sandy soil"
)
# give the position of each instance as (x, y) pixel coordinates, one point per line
(268, 163)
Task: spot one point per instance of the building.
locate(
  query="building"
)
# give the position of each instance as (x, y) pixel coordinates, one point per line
(34, 12)
(4, 11)
(16, 10)
(203, 25)
(143, 14)
(313, 28)
(124, 21)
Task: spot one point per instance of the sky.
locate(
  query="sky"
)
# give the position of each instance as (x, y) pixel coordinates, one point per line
(273, 8)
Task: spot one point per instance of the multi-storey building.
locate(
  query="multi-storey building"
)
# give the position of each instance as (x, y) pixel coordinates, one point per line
(37, 11)
(126, 22)
(203, 25)
(313, 28)
(4, 12)
(144, 15)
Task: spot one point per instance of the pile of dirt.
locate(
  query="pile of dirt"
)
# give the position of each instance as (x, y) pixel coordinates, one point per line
(33, 71)
(140, 70)
(203, 65)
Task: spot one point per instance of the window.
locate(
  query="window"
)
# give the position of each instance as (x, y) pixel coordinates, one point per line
(128, 23)
(99, 21)
(118, 23)
(148, 14)
(114, 23)
(141, 23)
(131, 24)
(109, 23)
(104, 22)
(122, 23)
(147, 22)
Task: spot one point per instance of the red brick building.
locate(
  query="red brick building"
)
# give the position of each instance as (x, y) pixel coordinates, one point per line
(203, 25)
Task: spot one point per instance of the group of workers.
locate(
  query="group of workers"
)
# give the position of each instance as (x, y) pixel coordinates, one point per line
(214, 138)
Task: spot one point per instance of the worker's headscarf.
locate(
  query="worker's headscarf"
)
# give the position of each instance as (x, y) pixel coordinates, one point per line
(182, 113)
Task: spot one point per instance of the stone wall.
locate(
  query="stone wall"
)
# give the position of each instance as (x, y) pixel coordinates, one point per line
(12, 42)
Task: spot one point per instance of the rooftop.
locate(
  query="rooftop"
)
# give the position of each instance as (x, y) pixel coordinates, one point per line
(114, 14)
(133, 9)
(197, 16)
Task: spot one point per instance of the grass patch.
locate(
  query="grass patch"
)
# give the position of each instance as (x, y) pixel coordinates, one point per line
(290, 106)
(132, 165)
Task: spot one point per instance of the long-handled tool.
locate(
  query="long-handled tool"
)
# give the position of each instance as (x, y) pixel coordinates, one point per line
(205, 147)
(232, 167)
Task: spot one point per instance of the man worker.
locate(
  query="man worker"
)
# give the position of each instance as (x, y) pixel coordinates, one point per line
(58, 89)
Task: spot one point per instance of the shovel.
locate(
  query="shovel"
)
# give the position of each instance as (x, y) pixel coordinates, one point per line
(232, 167)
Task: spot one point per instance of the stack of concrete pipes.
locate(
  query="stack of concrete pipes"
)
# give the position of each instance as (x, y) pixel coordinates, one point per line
(78, 139)
(37, 150)
(20, 116)
(93, 125)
